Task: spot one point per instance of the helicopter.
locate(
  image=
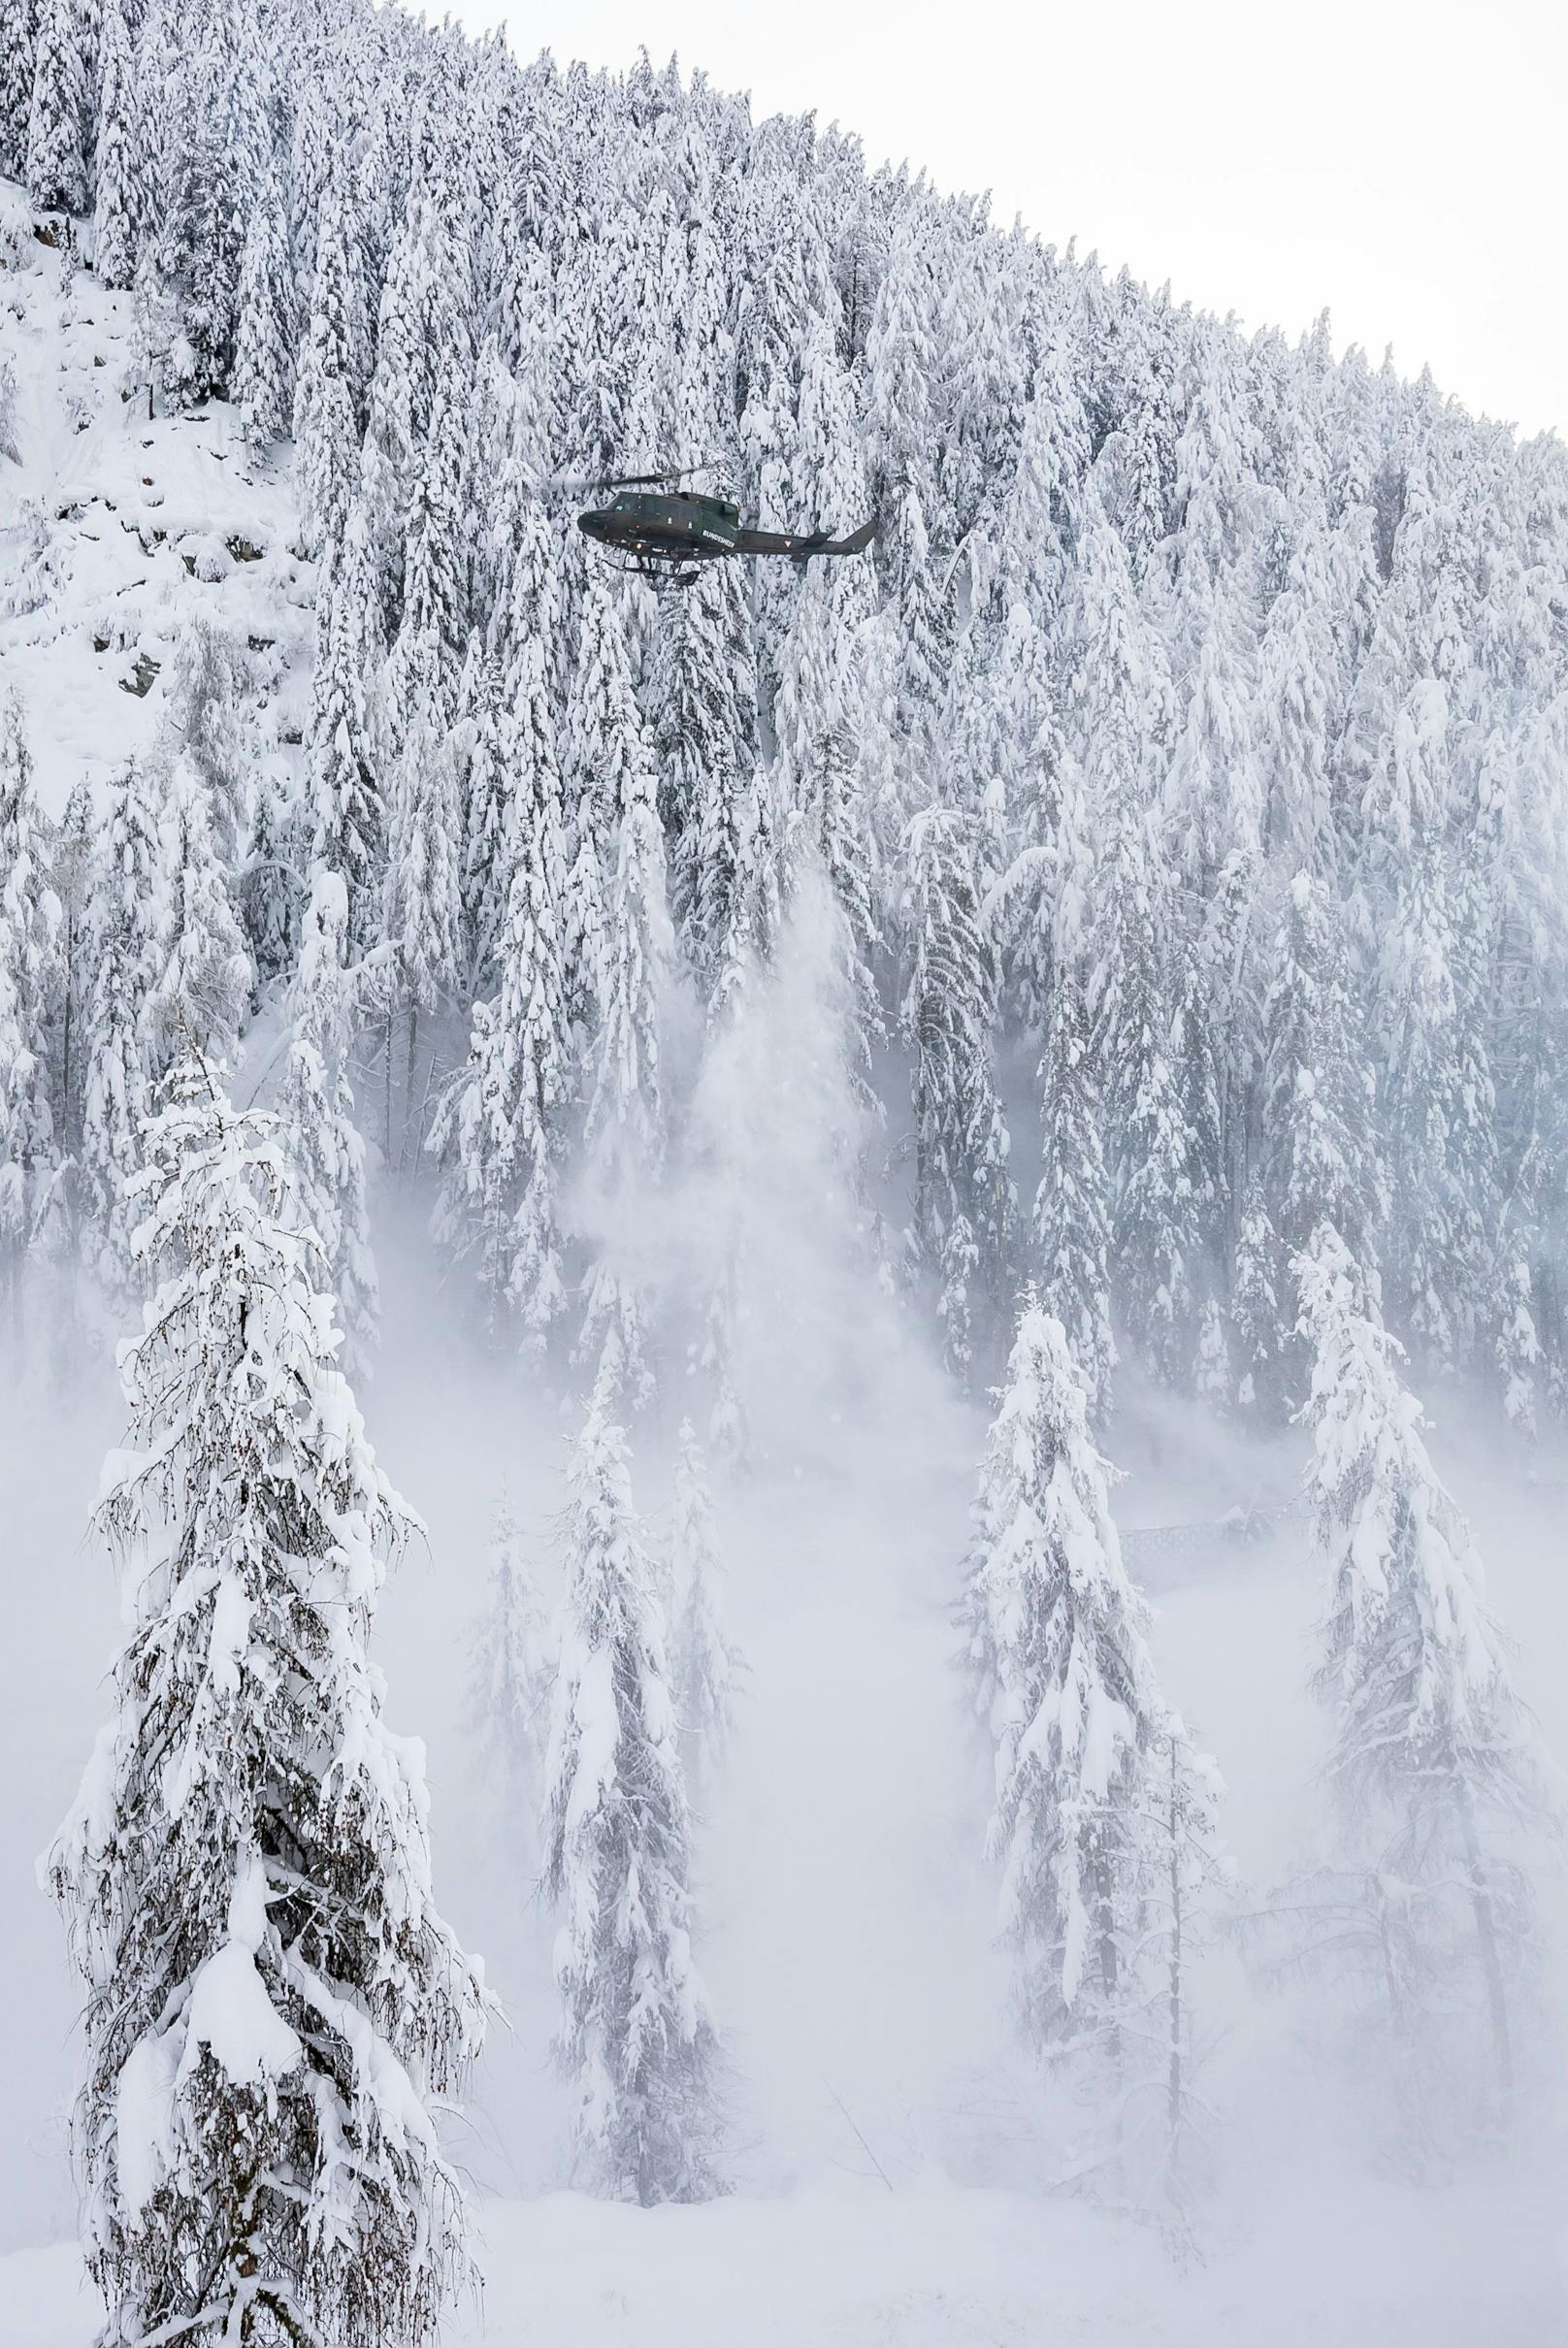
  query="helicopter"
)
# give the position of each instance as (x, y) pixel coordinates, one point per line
(669, 533)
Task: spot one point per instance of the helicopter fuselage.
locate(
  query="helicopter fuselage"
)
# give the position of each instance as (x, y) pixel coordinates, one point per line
(667, 537)
(669, 528)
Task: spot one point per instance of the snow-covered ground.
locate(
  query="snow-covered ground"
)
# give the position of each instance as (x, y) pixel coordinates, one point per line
(115, 531)
(845, 2266)
(888, 2166)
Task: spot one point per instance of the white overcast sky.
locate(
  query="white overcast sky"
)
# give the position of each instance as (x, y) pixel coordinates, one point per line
(1402, 164)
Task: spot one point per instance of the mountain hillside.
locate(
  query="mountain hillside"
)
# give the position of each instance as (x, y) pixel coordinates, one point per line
(754, 1089)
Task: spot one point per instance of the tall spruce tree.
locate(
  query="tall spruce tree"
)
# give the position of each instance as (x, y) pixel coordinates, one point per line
(1073, 1204)
(275, 2006)
(706, 1663)
(59, 129)
(636, 2035)
(963, 1193)
(1066, 1692)
(31, 985)
(1444, 1792)
(317, 1108)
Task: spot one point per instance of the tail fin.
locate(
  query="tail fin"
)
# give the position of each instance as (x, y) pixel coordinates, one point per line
(856, 543)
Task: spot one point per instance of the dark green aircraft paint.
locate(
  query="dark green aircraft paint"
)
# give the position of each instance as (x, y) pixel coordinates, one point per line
(667, 536)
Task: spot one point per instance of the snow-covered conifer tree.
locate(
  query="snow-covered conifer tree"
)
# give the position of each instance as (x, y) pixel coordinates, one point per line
(31, 978)
(71, 873)
(347, 817)
(1065, 1691)
(513, 1668)
(626, 1110)
(59, 131)
(201, 990)
(636, 2036)
(1154, 1222)
(422, 924)
(1183, 1870)
(264, 346)
(193, 253)
(707, 735)
(326, 424)
(963, 1193)
(124, 923)
(1072, 1206)
(1255, 1305)
(706, 1664)
(317, 1105)
(501, 1125)
(1441, 1114)
(118, 164)
(203, 728)
(15, 84)
(274, 2007)
(604, 755)
(1443, 1787)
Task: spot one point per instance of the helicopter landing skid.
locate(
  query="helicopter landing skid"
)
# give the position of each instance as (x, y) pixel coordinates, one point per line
(659, 574)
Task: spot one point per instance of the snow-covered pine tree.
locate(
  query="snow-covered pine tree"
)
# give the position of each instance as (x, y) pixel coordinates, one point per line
(268, 885)
(264, 340)
(1072, 1206)
(484, 794)
(1065, 1691)
(316, 1103)
(71, 873)
(1320, 1161)
(326, 421)
(1441, 1118)
(820, 787)
(59, 130)
(625, 1131)
(1155, 1220)
(1443, 1789)
(31, 984)
(706, 1664)
(422, 924)
(202, 988)
(120, 200)
(15, 84)
(124, 919)
(193, 253)
(501, 1125)
(347, 817)
(603, 753)
(636, 2036)
(963, 1193)
(707, 737)
(1184, 1872)
(205, 690)
(511, 1673)
(275, 2009)
(1254, 1306)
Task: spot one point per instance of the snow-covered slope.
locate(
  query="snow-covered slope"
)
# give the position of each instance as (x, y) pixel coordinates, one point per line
(115, 531)
(1144, 876)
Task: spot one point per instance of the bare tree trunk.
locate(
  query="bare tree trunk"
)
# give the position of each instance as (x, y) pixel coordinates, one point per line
(1173, 2063)
(1492, 1968)
(1398, 2008)
(408, 1086)
(67, 1012)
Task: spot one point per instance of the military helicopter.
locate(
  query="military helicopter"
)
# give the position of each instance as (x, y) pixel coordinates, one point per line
(669, 533)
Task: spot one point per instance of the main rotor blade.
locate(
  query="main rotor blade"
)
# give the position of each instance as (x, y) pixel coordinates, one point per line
(588, 485)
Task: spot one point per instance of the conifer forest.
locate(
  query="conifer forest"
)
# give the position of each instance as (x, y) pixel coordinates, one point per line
(941, 1175)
